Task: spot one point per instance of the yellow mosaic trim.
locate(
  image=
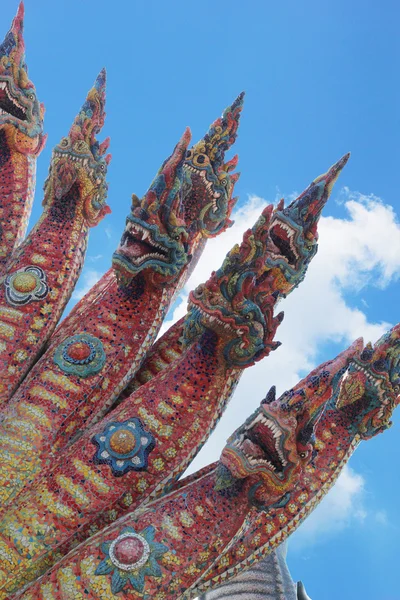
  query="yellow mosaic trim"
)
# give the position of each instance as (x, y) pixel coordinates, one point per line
(50, 502)
(34, 413)
(74, 490)
(44, 394)
(61, 380)
(91, 476)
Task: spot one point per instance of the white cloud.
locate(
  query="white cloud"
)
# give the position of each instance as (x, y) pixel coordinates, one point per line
(88, 279)
(95, 258)
(342, 506)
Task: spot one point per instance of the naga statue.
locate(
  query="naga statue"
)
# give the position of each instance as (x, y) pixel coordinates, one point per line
(99, 419)
(21, 139)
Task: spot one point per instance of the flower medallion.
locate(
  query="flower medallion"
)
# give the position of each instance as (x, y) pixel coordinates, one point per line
(80, 355)
(25, 286)
(124, 446)
(130, 558)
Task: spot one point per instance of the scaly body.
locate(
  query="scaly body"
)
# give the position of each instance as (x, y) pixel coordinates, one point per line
(42, 274)
(360, 409)
(151, 437)
(206, 202)
(293, 231)
(62, 390)
(21, 140)
(161, 550)
(260, 252)
(84, 369)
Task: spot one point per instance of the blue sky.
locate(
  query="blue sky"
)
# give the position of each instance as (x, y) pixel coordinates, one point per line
(320, 79)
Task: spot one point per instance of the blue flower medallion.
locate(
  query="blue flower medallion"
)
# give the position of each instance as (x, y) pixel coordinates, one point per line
(124, 446)
(130, 558)
(80, 355)
(25, 286)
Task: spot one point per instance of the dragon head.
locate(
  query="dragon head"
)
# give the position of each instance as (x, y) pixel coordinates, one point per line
(155, 236)
(293, 231)
(77, 174)
(370, 391)
(275, 444)
(208, 181)
(21, 114)
(236, 302)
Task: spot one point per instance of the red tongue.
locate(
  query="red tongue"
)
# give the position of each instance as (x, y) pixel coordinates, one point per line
(281, 232)
(252, 449)
(135, 249)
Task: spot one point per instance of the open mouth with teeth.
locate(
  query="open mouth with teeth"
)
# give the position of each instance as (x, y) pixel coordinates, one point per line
(214, 320)
(83, 160)
(9, 105)
(138, 246)
(283, 238)
(200, 177)
(261, 443)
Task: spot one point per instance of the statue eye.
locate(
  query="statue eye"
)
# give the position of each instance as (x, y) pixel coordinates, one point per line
(380, 364)
(201, 160)
(64, 143)
(31, 96)
(198, 292)
(303, 454)
(396, 389)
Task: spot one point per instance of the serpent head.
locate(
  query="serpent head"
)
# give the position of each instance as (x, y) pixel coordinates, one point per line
(236, 302)
(293, 234)
(76, 180)
(155, 236)
(275, 444)
(371, 389)
(208, 181)
(21, 114)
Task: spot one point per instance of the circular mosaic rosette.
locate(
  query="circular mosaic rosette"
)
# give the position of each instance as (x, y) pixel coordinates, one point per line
(25, 286)
(130, 558)
(124, 446)
(82, 355)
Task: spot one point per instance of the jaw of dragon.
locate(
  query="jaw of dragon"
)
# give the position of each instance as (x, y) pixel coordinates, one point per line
(79, 165)
(208, 181)
(370, 391)
(275, 444)
(293, 232)
(236, 303)
(21, 114)
(155, 236)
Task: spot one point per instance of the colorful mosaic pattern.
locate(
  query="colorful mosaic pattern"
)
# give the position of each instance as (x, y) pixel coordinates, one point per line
(124, 446)
(130, 558)
(82, 355)
(76, 455)
(45, 268)
(249, 519)
(21, 140)
(25, 286)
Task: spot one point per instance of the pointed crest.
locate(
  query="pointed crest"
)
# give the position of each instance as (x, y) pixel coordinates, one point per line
(306, 209)
(163, 189)
(222, 134)
(90, 118)
(12, 50)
